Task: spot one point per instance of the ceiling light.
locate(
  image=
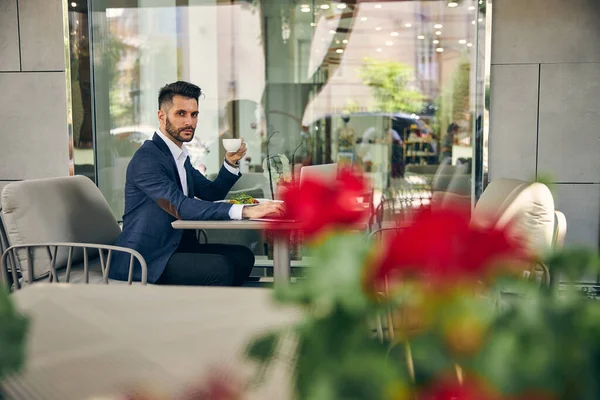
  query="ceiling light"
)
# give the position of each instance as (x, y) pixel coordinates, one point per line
(471, 8)
(407, 25)
(438, 33)
(394, 34)
(337, 42)
(341, 6)
(469, 44)
(313, 24)
(420, 37)
(363, 19)
(305, 9)
(462, 41)
(473, 22)
(73, 4)
(436, 41)
(438, 26)
(379, 50)
(452, 4)
(389, 43)
(324, 6)
(439, 50)
(332, 32)
(480, 20)
(345, 41)
(378, 28)
(339, 51)
(377, 5)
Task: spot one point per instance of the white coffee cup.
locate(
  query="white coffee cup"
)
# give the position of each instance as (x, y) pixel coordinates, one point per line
(232, 145)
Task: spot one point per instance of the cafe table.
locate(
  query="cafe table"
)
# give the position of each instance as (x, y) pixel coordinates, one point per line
(281, 242)
(92, 342)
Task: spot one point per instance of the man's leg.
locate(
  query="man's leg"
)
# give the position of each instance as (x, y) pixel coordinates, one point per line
(197, 269)
(239, 257)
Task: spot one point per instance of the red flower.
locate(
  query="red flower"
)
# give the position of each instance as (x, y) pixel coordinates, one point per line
(443, 246)
(318, 206)
(219, 385)
(451, 389)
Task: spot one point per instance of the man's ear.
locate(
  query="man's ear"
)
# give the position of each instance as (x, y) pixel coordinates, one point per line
(162, 116)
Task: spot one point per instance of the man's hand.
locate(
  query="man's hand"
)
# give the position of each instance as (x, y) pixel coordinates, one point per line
(271, 209)
(234, 158)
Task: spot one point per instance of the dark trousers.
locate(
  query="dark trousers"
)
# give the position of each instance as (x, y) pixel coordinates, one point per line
(211, 264)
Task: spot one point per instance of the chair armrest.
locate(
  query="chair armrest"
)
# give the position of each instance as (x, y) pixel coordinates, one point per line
(378, 233)
(201, 232)
(105, 263)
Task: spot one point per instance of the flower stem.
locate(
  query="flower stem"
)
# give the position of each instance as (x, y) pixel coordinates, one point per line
(409, 361)
(269, 165)
(459, 373)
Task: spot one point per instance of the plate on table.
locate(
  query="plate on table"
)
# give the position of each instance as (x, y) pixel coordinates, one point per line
(255, 201)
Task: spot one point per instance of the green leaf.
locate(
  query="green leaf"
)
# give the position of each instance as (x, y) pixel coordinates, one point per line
(13, 333)
(335, 279)
(263, 348)
(573, 264)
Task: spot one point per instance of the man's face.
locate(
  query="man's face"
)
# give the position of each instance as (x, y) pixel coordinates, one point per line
(180, 119)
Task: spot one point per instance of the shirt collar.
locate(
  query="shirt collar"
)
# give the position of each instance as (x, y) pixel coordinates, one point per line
(175, 150)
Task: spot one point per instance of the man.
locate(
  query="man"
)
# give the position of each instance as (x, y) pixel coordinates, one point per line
(162, 186)
(448, 141)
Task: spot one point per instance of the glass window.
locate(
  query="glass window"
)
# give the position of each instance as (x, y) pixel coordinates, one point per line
(394, 88)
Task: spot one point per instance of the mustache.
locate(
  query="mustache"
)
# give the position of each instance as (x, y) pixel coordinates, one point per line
(185, 128)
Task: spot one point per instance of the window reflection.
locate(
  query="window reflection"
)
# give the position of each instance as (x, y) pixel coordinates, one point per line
(375, 85)
(81, 147)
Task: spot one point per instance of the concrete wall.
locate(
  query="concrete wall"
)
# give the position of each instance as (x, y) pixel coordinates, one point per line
(33, 105)
(545, 96)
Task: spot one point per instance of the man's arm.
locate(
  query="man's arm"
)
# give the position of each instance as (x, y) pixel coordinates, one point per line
(152, 179)
(213, 190)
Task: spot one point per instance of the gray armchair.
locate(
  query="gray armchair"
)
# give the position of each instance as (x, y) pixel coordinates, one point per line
(58, 230)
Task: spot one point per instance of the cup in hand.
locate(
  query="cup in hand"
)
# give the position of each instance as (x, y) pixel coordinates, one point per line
(232, 145)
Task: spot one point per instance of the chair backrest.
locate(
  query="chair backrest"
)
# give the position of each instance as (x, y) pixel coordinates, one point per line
(252, 183)
(527, 206)
(560, 230)
(68, 209)
(3, 237)
(451, 185)
(442, 175)
(324, 172)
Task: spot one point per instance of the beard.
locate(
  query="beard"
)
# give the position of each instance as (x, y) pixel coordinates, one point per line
(177, 132)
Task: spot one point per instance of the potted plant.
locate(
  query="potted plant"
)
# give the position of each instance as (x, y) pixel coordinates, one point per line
(440, 310)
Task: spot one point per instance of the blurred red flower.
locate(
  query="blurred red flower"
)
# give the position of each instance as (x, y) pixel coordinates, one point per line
(219, 385)
(451, 389)
(317, 206)
(444, 247)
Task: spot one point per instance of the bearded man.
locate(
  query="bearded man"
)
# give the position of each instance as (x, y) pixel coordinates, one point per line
(162, 186)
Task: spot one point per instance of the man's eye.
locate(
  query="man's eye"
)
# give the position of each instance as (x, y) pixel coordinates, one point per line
(182, 113)
(194, 114)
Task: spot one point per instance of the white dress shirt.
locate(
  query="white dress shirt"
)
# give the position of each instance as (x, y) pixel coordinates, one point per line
(180, 155)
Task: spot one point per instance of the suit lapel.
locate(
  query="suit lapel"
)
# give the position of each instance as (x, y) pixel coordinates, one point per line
(165, 149)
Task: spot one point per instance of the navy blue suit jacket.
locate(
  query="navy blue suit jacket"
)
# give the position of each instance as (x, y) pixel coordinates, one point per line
(154, 199)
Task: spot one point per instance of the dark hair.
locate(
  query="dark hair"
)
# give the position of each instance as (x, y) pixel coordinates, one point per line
(452, 127)
(180, 88)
